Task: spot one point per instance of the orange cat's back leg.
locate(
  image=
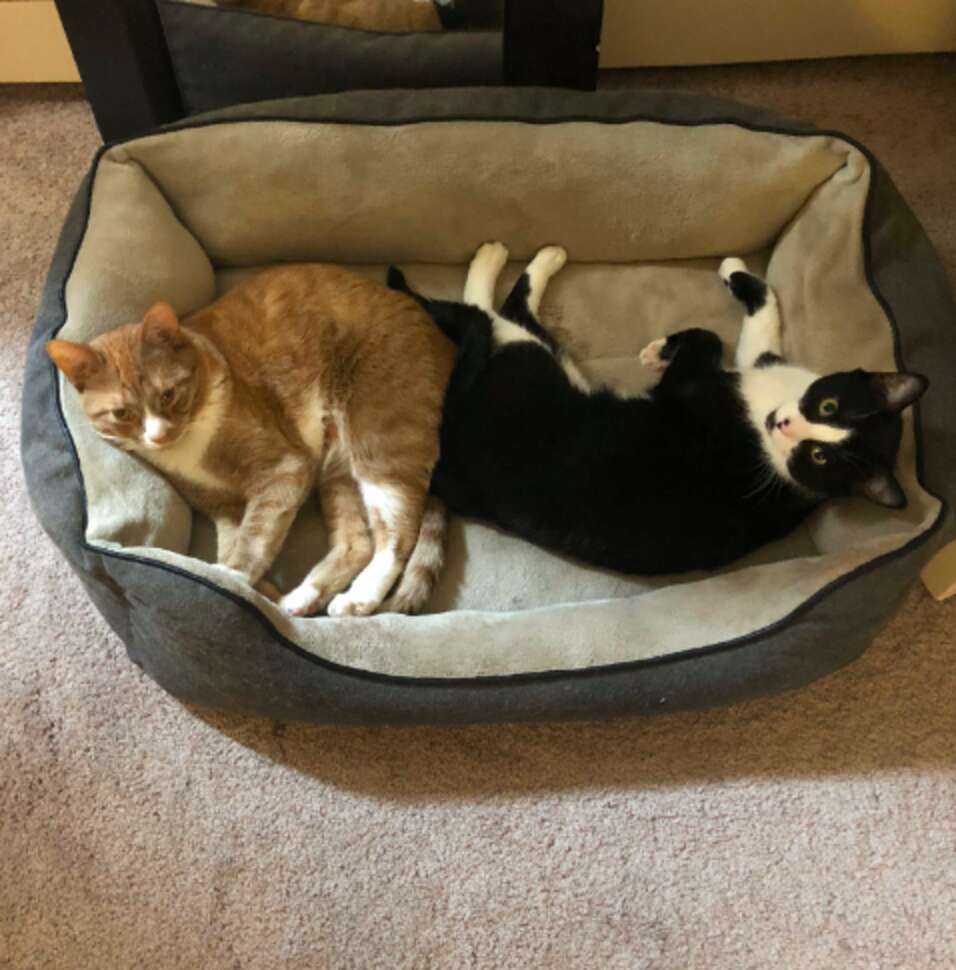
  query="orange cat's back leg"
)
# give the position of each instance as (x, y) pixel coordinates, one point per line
(395, 511)
(350, 547)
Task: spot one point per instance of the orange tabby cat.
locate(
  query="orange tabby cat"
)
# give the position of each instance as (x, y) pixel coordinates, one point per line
(387, 16)
(303, 376)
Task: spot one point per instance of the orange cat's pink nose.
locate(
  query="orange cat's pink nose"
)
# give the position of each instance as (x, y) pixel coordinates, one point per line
(158, 432)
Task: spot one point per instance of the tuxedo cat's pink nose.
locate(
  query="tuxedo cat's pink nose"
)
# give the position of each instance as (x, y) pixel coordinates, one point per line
(785, 428)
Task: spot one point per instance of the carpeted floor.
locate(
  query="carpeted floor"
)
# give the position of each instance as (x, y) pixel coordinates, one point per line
(806, 831)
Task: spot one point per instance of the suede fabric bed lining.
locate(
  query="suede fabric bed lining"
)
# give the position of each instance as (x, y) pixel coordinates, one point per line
(644, 238)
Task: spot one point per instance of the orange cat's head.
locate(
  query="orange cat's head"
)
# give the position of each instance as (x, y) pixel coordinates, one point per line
(140, 384)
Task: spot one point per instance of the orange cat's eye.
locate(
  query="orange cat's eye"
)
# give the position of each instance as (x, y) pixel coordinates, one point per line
(122, 414)
(167, 396)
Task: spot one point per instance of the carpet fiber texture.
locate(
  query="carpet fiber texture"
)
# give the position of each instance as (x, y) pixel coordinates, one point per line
(812, 830)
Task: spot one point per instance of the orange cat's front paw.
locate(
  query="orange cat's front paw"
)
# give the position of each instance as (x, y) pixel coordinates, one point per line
(345, 605)
(304, 600)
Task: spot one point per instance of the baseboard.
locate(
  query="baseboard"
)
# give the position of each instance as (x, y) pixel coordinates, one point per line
(33, 46)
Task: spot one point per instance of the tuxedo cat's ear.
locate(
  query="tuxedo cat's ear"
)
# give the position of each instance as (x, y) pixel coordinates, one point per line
(899, 390)
(161, 327)
(882, 487)
(77, 362)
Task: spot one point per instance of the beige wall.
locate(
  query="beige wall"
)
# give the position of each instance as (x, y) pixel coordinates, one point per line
(724, 31)
(33, 46)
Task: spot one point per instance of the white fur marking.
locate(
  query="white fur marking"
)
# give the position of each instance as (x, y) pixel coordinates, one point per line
(505, 332)
(301, 601)
(545, 264)
(311, 423)
(384, 500)
(183, 459)
(372, 584)
(764, 389)
(155, 429)
(486, 265)
(730, 266)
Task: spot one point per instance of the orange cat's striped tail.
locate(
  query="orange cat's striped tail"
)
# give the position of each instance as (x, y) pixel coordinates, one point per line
(424, 564)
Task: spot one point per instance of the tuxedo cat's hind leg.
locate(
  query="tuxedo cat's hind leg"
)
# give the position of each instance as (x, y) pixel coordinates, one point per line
(486, 266)
(524, 300)
(523, 303)
(760, 342)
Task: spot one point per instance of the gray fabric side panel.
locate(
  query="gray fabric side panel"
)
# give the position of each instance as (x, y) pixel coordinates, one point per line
(225, 57)
(526, 104)
(50, 467)
(51, 470)
(201, 648)
(911, 279)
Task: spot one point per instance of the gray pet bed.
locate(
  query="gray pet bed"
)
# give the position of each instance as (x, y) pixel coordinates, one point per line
(647, 192)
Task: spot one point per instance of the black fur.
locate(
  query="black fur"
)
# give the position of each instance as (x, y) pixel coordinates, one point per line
(674, 481)
(749, 289)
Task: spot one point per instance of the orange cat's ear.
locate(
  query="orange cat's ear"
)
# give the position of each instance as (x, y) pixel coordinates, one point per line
(78, 362)
(161, 326)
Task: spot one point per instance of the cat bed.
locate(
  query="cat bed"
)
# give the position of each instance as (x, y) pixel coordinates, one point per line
(224, 55)
(647, 192)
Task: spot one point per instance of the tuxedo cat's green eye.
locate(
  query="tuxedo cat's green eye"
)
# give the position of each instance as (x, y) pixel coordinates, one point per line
(829, 406)
(122, 414)
(818, 455)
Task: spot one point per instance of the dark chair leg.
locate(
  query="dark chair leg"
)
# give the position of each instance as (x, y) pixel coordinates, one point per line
(550, 43)
(120, 50)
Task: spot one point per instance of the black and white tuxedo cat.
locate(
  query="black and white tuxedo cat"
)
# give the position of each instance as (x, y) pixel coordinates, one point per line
(705, 467)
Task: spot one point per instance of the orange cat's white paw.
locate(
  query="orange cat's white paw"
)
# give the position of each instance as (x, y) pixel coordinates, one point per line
(650, 356)
(345, 605)
(304, 600)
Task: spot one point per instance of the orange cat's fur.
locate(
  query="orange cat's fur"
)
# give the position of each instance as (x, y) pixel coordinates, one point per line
(304, 376)
(387, 16)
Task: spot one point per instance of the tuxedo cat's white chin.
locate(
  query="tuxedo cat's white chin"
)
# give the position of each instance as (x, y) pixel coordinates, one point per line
(770, 392)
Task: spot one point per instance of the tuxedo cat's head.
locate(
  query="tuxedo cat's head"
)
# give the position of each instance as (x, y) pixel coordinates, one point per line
(140, 384)
(842, 435)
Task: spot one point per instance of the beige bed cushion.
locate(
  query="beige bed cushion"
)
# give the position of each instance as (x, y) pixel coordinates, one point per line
(646, 211)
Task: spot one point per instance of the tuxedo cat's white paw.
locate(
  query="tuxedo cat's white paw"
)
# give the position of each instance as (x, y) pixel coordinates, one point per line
(729, 266)
(346, 605)
(650, 356)
(490, 257)
(304, 600)
(549, 260)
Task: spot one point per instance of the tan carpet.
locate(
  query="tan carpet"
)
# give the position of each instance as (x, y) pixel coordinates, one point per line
(816, 830)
